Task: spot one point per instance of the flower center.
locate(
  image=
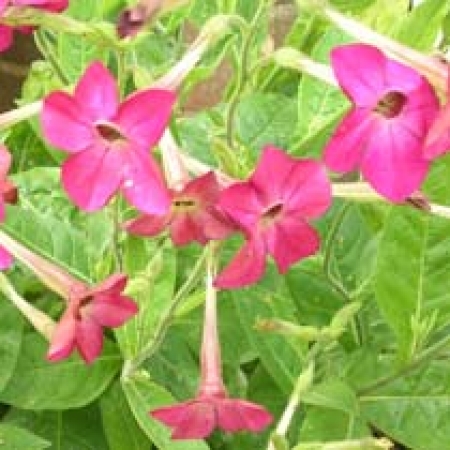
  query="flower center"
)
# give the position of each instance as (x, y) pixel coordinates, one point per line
(109, 132)
(271, 214)
(391, 104)
(184, 205)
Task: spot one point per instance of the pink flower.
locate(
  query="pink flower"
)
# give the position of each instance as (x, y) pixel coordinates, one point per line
(273, 209)
(7, 32)
(193, 215)
(437, 141)
(88, 311)
(196, 419)
(211, 408)
(383, 133)
(109, 142)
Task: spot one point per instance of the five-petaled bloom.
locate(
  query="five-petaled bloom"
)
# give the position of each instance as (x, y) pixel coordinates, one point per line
(88, 311)
(384, 131)
(108, 142)
(193, 215)
(6, 32)
(273, 208)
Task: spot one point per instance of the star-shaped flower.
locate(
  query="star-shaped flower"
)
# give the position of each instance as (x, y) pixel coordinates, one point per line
(273, 209)
(108, 141)
(89, 309)
(383, 133)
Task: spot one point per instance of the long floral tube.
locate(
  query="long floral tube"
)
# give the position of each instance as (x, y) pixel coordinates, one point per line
(40, 321)
(213, 30)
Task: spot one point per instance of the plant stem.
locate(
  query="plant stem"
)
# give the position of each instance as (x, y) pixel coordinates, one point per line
(132, 365)
(427, 355)
(40, 321)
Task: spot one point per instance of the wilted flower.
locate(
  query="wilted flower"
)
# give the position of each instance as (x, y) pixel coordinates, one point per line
(109, 142)
(273, 209)
(383, 133)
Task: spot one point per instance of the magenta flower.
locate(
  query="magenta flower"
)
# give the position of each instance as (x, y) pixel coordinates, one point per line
(109, 142)
(193, 215)
(211, 408)
(7, 32)
(88, 311)
(383, 133)
(273, 209)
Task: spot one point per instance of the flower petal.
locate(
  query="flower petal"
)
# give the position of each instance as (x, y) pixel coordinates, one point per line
(6, 259)
(65, 124)
(144, 115)
(360, 70)
(63, 338)
(113, 310)
(92, 176)
(236, 415)
(143, 184)
(5, 161)
(89, 339)
(437, 141)
(114, 284)
(393, 164)
(307, 189)
(97, 92)
(246, 268)
(291, 239)
(198, 423)
(345, 148)
(6, 37)
(147, 225)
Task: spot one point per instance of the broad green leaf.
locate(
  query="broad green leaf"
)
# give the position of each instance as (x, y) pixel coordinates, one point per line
(423, 24)
(15, 438)
(143, 395)
(263, 119)
(269, 299)
(152, 272)
(334, 394)
(121, 429)
(319, 105)
(414, 411)
(411, 279)
(386, 16)
(11, 329)
(51, 238)
(73, 429)
(38, 384)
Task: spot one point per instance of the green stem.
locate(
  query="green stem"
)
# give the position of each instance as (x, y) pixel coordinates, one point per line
(131, 366)
(427, 355)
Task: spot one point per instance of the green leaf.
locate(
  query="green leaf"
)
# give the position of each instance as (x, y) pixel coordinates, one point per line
(263, 119)
(423, 24)
(414, 411)
(152, 280)
(334, 394)
(15, 438)
(411, 280)
(50, 237)
(143, 396)
(10, 340)
(269, 299)
(121, 428)
(74, 429)
(319, 104)
(38, 384)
